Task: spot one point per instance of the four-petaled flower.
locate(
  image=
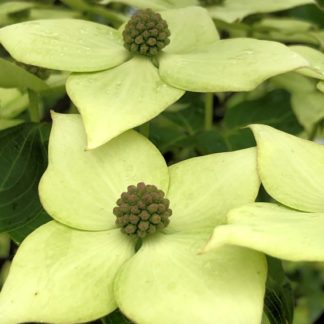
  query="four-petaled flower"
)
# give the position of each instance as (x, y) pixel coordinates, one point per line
(292, 171)
(118, 90)
(80, 266)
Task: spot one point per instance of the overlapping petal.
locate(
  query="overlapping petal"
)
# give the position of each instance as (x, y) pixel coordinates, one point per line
(190, 28)
(239, 64)
(308, 108)
(320, 86)
(13, 102)
(61, 275)
(65, 44)
(80, 188)
(11, 7)
(167, 282)
(277, 231)
(143, 4)
(314, 57)
(202, 190)
(116, 100)
(158, 4)
(237, 9)
(291, 168)
(13, 76)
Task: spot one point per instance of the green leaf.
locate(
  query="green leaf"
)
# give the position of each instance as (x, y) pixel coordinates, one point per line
(13, 76)
(4, 245)
(279, 299)
(115, 317)
(19, 234)
(273, 109)
(23, 159)
(175, 129)
(212, 141)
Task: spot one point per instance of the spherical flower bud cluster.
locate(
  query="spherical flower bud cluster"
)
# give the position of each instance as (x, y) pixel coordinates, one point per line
(146, 33)
(142, 210)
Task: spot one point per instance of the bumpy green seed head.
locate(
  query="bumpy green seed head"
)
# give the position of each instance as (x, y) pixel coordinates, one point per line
(142, 210)
(207, 3)
(146, 33)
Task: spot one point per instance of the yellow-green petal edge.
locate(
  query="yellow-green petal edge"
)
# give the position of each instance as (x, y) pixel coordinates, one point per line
(168, 282)
(119, 99)
(61, 275)
(277, 231)
(80, 188)
(291, 168)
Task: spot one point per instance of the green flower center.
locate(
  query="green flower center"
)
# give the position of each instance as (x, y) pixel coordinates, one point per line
(146, 33)
(206, 3)
(142, 210)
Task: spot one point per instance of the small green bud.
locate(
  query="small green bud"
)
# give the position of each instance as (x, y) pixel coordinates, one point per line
(146, 33)
(142, 210)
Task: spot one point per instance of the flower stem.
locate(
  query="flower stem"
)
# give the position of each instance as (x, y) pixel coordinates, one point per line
(209, 110)
(33, 108)
(145, 129)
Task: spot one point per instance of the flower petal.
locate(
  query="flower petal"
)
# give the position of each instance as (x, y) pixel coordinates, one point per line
(320, 86)
(167, 282)
(291, 168)
(233, 10)
(239, 64)
(11, 7)
(280, 232)
(61, 275)
(80, 189)
(119, 99)
(190, 29)
(308, 108)
(314, 57)
(158, 4)
(13, 102)
(143, 4)
(202, 190)
(7, 123)
(64, 44)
